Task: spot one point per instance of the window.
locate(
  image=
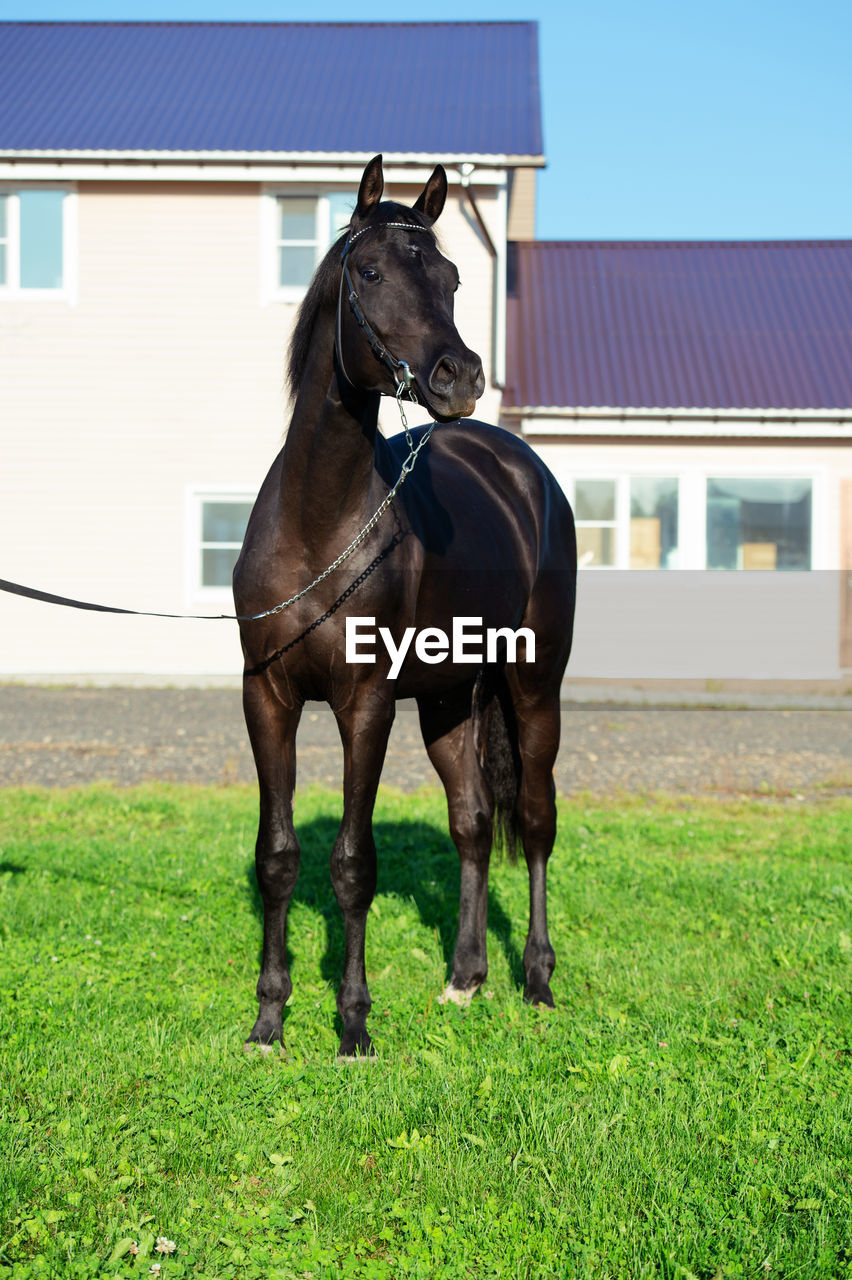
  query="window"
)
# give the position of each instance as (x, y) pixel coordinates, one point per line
(758, 524)
(627, 521)
(653, 523)
(216, 531)
(34, 237)
(305, 227)
(692, 521)
(594, 513)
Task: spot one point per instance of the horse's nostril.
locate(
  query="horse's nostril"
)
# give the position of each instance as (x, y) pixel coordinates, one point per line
(444, 376)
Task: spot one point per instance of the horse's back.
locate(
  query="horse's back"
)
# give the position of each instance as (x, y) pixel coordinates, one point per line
(471, 467)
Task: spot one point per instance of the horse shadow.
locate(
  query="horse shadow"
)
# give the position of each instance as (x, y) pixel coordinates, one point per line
(416, 861)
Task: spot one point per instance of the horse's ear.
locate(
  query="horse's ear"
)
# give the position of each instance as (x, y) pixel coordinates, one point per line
(433, 196)
(372, 186)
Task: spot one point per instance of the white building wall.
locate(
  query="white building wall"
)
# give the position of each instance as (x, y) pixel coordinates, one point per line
(164, 375)
(692, 623)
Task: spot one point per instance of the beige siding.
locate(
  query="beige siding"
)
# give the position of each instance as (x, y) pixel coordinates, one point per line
(166, 373)
(522, 204)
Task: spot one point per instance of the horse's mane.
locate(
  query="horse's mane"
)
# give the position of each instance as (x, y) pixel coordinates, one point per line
(323, 289)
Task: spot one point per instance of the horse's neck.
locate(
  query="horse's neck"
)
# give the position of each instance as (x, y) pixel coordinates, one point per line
(329, 454)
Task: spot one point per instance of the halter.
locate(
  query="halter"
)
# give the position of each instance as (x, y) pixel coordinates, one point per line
(402, 375)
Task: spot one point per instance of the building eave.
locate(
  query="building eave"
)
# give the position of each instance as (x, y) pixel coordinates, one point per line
(668, 422)
(413, 158)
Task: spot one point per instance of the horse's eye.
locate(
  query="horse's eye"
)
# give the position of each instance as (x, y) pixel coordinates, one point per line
(370, 275)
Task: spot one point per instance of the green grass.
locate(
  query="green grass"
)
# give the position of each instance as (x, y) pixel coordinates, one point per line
(685, 1112)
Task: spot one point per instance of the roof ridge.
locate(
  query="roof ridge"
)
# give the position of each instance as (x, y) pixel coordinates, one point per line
(260, 22)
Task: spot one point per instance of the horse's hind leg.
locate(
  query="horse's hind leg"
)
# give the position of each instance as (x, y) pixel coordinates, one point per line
(537, 718)
(449, 736)
(272, 730)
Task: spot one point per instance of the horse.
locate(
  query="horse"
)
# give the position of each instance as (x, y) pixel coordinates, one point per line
(475, 527)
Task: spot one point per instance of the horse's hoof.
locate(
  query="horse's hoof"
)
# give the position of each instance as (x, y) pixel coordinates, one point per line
(540, 996)
(457, 995)
(254, 1046)
(356, 1046)
(356, 1059)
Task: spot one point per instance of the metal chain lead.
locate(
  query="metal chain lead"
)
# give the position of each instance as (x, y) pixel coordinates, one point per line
(407, 467)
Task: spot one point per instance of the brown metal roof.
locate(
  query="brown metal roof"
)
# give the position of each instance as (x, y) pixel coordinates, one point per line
(709, 324)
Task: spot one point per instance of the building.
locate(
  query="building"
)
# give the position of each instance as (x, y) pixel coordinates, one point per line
(695, 401)
(165, 191)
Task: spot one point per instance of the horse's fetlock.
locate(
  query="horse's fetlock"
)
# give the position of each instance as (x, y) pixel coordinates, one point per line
(539, 958)
(470, 969)
(274, 989)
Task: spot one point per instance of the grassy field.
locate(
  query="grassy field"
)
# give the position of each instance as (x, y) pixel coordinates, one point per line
(685, 1112)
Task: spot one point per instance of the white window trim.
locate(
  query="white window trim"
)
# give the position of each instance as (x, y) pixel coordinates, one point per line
(270, 290)
(621, 524)
(196, 496)
(12, 292)
(692, 508)
(818, 478)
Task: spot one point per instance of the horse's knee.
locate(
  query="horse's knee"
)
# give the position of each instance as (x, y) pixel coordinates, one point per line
(353, 872)
(277, 866)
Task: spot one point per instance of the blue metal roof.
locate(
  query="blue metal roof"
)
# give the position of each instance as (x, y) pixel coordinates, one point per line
(467, 88)
(714, 324)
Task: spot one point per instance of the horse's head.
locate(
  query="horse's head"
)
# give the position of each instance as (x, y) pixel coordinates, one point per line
(395, 317)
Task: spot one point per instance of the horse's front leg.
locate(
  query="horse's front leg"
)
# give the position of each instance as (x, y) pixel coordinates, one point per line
(272, 729)
(365, 725)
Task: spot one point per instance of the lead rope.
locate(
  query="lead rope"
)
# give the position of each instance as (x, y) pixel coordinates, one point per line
(403, 385)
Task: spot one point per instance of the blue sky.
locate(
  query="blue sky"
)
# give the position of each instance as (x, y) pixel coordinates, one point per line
(662, 119)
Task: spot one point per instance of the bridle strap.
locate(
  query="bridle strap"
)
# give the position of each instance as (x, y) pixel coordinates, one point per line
(399, 369)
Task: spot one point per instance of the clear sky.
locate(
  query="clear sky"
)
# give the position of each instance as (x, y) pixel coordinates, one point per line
(662, 118)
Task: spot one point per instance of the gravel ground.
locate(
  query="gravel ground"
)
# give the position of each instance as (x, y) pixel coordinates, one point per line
(67, 737)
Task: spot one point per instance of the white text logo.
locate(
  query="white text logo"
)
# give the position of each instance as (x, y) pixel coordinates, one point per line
(434, 645)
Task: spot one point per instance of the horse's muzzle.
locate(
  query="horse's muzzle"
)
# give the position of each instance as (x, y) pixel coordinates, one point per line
(456, 383)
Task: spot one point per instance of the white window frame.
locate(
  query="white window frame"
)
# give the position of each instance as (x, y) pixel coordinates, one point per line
(271, 290)
(12, 291)
(621, 524)
(818, 483)
(194, 545)
(692, 508)
(614, 524)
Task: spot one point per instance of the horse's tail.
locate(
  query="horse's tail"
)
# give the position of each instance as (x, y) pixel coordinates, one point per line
(497, 746)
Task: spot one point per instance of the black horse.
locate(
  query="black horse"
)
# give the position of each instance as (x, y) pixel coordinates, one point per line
(478, 530)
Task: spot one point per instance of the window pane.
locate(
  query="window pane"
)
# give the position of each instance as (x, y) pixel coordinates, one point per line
(298, 218)
(653, 523)
(594, 500)
(758, 524)
(41, 239)
(217, 566)
(4, 224)
(341, 205)
(224, 521)
(595, 546)
(296, 265)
